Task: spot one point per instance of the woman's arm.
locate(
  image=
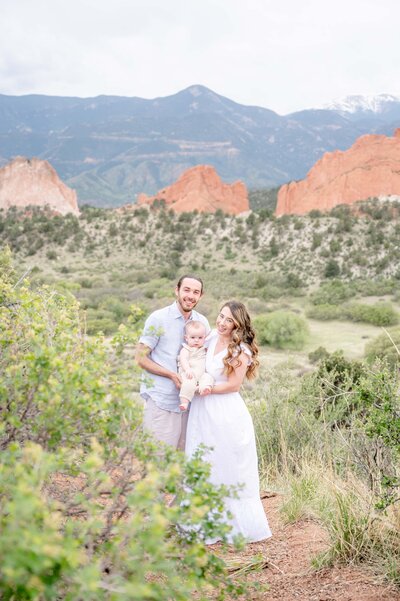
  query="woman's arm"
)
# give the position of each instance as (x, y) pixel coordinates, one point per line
(235, 378)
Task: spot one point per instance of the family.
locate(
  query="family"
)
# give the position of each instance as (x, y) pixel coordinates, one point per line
(197, 401)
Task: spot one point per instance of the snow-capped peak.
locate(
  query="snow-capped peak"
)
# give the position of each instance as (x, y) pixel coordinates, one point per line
(358, 103)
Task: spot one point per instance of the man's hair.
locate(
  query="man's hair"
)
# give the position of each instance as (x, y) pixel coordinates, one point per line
(192, 277)
(195, 325)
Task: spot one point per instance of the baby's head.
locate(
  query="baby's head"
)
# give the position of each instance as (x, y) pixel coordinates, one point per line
(195, 334)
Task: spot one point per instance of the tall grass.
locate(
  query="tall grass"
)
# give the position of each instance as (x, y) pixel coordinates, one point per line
(328, 469)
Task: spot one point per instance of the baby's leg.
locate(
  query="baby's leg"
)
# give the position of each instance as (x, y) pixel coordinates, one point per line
(205, 381)
(183, 403)
(186, 392)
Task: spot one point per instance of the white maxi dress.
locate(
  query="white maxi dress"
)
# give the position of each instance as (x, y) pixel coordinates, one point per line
(223, 422)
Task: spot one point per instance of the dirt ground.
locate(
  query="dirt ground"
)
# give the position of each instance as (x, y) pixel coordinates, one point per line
(288, 572)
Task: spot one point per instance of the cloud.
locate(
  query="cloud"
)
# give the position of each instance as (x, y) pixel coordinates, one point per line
(284, 56)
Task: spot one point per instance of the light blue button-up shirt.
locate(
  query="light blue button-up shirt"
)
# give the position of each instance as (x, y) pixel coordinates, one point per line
(163, 334)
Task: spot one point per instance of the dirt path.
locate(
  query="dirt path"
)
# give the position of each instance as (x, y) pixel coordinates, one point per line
(289, 573)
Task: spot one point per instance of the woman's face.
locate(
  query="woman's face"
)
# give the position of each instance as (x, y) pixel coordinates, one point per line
(225, 322)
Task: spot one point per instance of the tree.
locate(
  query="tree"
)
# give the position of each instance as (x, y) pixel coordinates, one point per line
(332, 269)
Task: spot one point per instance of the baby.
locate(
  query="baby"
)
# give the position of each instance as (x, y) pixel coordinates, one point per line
(192, 363)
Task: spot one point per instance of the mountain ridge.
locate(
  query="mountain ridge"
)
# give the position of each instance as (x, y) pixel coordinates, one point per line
(111, 148)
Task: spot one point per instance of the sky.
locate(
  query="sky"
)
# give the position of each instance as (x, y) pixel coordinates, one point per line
(285, 55)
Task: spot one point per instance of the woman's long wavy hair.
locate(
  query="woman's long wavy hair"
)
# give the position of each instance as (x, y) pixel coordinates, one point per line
(242, 332)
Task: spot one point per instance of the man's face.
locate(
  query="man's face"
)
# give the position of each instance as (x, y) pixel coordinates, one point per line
(188, 295)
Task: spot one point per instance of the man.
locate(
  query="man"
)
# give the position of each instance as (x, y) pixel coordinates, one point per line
(157, 353)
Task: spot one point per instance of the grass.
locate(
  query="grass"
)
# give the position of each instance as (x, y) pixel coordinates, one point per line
(329, 474)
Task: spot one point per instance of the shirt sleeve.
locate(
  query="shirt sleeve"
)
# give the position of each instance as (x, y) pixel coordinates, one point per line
(151, 332)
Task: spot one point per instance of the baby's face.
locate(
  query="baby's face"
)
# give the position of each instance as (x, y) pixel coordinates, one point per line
(195, 338)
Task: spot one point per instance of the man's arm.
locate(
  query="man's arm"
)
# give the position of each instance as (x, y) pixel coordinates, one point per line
(143, 360)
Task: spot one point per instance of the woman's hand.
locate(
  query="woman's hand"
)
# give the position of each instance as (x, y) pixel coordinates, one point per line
(205, 391)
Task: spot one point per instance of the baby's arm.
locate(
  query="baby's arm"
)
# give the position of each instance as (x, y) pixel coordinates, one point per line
(184, 362)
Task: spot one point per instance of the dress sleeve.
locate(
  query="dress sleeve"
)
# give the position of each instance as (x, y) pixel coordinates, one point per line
(245, 349)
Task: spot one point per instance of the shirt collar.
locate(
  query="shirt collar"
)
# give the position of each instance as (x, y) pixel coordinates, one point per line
(176, 313)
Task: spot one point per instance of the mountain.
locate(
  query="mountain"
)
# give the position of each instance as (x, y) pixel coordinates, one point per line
(369, 169)
(34, 183)
(200, 189)
(110, 148)
(358, 106)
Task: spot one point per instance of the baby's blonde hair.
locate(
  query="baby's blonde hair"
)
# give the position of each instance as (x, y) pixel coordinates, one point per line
(194, 325)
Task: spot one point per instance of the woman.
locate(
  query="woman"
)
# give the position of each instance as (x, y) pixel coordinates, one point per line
(220, 419)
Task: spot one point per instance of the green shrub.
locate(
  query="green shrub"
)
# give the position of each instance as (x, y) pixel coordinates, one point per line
(281, 329)
(83, 511)
(376, 287)
(101, 320)
(318, 355)
(332, 269)
(324, 312)
(385, 346)
(332, 293)
(378, 393)
(379, 314)
(332, 386)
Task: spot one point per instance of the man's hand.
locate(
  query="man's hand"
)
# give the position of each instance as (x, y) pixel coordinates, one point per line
(176, 380)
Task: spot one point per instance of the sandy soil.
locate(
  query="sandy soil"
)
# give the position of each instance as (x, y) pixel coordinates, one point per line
(288, 572)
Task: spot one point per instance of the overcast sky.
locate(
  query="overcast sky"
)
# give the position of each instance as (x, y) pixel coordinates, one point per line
(284, 55)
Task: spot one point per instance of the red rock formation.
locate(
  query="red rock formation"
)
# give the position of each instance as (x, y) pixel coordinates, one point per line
(370, 168)
(25, 182)
(201, 189)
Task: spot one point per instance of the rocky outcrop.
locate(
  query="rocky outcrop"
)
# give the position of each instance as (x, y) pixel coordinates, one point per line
(200, 188)
(370, 168)
(33, 182)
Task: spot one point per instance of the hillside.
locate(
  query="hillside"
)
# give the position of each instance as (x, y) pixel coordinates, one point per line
(111, 259)
(109, 149)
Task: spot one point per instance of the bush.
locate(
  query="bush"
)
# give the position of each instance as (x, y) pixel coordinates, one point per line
(379, 314)
(384, 347)
(318, 355)
(281, 329)
(83, 513)
(324, 312)
(333, 386)
(332, 269)
(332, 293)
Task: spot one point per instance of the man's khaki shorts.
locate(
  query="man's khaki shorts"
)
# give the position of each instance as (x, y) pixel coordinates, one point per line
(166, 426)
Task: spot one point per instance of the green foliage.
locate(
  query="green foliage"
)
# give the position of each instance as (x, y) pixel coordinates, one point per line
(379, 314)
(385, 346)
(324, 312)
(378, 393)
(318, 355)
(83, 507)
(281, 329)
(108, 532)
(263, 199)
(332, 293)
(332, 387)
(57, 387)
(332, 269)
